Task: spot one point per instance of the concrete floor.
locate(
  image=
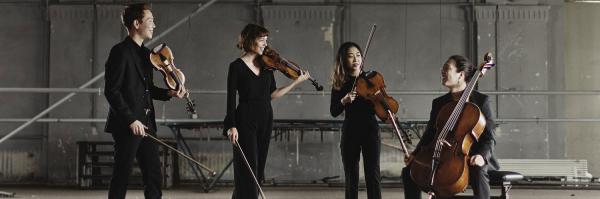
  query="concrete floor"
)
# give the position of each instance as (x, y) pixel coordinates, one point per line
(273, 193)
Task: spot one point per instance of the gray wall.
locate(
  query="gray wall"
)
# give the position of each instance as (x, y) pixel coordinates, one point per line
(67, 43)
(24, 42)
(581, 73)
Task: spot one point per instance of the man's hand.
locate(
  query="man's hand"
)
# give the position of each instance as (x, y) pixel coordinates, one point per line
(232, 133)
(477, 160)
(138, 128)
(178, 93)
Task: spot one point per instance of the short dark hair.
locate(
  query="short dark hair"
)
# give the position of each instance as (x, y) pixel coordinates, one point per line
(248, 36)
(463, 64)
(133, 12)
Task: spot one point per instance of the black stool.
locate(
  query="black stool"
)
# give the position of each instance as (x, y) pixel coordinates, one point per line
(503, 179)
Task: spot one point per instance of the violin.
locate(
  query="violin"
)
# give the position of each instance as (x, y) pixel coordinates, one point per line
(441, 167)
(162, 58)
(273, 61)
(370, 85)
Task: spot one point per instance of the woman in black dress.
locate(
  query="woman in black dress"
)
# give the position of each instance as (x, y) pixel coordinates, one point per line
(250, 124)
(360, 130)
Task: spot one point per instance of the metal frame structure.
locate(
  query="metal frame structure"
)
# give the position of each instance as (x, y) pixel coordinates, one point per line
(100, 91)
(101, 75)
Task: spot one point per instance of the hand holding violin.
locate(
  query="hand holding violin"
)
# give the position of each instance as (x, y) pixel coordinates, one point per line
(162, 59)
(181, 93)
(274, 61)
(304, 75)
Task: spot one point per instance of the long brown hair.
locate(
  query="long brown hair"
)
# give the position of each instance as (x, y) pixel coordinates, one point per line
(341, 70)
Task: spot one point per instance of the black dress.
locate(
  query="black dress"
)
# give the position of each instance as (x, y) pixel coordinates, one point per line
(478, 176)
(253, 119)
(360, 131)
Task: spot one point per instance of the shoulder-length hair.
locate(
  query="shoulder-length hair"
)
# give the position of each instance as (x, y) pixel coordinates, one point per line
(248, 36)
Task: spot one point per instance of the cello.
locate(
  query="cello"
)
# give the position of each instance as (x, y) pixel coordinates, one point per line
(441, 168)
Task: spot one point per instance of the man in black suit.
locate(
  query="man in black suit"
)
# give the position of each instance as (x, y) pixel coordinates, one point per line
(456, 73)
(130, 90)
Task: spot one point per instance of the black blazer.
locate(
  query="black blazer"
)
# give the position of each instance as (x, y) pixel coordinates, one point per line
(485, 145)
(129, 88)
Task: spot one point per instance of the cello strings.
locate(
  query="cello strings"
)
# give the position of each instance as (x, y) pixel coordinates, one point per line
(450, 124)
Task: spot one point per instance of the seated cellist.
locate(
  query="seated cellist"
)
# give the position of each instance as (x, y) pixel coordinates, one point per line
(456, 73)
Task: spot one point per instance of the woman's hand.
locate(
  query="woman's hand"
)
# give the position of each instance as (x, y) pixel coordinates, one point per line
(283, 90)
(232, 133)
(349, 98)
(304, 75)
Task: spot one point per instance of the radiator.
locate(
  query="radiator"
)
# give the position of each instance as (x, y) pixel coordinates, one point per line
(566, 169)
(17, 165)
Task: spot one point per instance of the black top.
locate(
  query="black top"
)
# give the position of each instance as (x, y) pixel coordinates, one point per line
(241, 80)
(485, 145)
(357, 112)
(129, 88)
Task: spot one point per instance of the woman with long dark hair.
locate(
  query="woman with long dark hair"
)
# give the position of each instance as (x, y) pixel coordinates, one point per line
(360, 131)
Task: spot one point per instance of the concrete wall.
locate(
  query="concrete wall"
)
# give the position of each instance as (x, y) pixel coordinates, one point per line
(581, 73)
(67, 43)
(24, 49)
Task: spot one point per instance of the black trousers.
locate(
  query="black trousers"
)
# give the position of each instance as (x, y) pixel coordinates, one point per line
(254, 125)
(127, 147)
(478, 179)
(367, 140)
